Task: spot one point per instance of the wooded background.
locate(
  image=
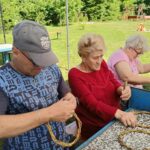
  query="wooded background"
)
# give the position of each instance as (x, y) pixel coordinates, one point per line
(52, 12)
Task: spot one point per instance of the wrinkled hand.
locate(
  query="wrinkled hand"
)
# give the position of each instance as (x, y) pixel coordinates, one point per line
(63, 109)
(126, 93)
(127, 118)
(69, 97)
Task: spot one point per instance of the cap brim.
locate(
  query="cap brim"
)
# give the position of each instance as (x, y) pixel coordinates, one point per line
(44, 59)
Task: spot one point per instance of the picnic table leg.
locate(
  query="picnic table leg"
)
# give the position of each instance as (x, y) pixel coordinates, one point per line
(5, 57)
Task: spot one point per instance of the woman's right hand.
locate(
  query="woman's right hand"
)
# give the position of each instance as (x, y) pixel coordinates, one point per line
(127, 118)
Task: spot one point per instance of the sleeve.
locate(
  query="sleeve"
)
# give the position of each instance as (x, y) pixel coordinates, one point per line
(114, 81)
(87, 98)
(63, 88)
(111, 76)
(117, 57)
(137, 61)
(3, 102)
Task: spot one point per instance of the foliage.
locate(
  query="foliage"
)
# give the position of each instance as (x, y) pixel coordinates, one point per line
(10, 13)
(101, 10)
(43, 11)
(74, 10)
(32, 10)
(128, 7)
(147, 4)
(56, 11)
(49, 12)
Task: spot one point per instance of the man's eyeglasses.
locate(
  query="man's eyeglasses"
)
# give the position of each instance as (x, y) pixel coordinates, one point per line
(26, 57)
(29, 59)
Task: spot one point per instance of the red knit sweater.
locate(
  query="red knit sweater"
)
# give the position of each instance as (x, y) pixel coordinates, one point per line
(98, 99)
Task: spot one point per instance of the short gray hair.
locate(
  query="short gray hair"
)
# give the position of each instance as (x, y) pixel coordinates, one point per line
(90, 42)
(138, 42)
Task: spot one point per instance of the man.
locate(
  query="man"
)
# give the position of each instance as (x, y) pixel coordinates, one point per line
(33, 92)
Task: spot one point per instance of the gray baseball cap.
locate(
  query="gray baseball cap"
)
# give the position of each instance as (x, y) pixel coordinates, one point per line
(33, 38)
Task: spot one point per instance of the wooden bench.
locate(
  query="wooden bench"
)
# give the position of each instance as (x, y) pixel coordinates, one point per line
(132, 17)
(138, 17)
(146, 17)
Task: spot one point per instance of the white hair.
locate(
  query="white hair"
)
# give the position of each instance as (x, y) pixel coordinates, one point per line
(90, 42)
(137, 42)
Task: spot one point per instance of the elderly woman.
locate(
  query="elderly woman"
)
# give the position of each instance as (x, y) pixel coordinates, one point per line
(98, 92)
(125, 65)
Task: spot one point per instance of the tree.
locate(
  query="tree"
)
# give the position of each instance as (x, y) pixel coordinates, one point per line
(10, 13)
(56, 11)
(147, 7)
(49, 12)
(128, 7)
(102, 9)
(33, 10)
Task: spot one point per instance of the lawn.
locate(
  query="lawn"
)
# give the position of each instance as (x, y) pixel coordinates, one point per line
(114, 33)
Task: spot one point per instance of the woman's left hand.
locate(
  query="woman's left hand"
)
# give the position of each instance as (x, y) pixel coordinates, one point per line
(125, 93)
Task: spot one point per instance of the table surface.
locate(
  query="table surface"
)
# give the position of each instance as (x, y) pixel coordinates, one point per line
(5, 47)
(107, 137)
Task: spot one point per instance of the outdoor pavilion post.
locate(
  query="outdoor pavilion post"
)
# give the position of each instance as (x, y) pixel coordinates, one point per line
(67, 32)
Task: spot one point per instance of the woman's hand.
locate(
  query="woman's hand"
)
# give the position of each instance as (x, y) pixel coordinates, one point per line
(125, 93)
(127, 118)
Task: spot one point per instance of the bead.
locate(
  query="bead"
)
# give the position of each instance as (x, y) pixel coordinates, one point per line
(108, 140)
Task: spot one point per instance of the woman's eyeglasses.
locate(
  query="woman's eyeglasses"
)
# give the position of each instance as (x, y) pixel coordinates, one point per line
(137, 52)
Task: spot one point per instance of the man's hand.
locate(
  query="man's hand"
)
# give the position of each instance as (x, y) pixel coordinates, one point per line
(69, 96)
(63, 109)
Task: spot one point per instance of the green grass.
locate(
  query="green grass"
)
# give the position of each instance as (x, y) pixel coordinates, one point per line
(114, 33)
